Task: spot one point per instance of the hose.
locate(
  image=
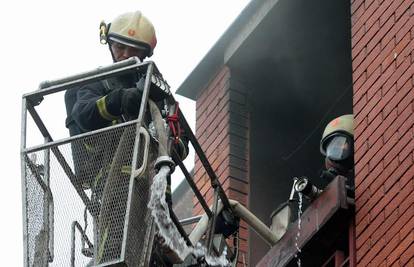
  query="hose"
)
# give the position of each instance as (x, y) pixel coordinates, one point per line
(160, 129)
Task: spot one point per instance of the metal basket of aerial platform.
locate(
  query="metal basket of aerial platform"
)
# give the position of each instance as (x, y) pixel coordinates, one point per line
(96, 208)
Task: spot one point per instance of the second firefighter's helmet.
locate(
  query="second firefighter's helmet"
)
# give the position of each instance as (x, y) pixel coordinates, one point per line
(131, 29)
(337, 138)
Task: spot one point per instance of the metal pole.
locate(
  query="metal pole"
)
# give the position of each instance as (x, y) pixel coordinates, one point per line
(117, 65)
(48, 205)
(23, 181)
(193, 186)
(212, 223)
(180, 227)
(77, 137)
(142, 109)
(190, 220)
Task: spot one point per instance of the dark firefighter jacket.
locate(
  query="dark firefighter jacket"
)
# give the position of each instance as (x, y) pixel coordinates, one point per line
(88, 108)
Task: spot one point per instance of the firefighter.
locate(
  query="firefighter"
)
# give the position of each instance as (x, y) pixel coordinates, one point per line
(337, 145)
(104, 103)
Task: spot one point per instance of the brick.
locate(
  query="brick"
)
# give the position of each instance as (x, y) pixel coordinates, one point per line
(396, 99)
(238, 196)
(358, 64)
(239, 120)
(237, 130)
(383, 79)
(380, 35)
(367, 86)
(371, 104)
(357, 4)
(373, 225)
(394, 229)
(404, 154)
(397, 122)
(378, 131)
(370, 178)
(403, 8)
(388, 12)
(385, 148)
(361, 198)
(237, 185)
(212, 115)
(372, 253)
(237, 96)
(358, 92)
(407, 205)
(394, 171)
(405, 28)
(406, 242)
(360, 124)
(364, 41)
(393, 205)
(213, 88)
(360, 228)
(364, 135)
(406, 256)
(363, 249)
(214, 149)
(370, 62)
(376, 199)
(387, 198)
(378, 61)
(358, 36)
(389, 247)
(361, 173)
(406, 228)
(407, 74)
(373, 153)
(407, 178)
(360, 105)
(377, 14)
(389, 31)
(384, 176)
(405, 53)
(361, 147)
(238, 109)
(209, 134)
(369, 11)
(395, 150)
(385, 228)
(399, 53)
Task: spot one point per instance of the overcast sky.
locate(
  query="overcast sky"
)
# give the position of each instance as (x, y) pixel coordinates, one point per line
(45, 39)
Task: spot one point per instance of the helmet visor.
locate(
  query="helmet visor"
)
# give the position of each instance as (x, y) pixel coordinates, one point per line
(339, 148)
(127, 42)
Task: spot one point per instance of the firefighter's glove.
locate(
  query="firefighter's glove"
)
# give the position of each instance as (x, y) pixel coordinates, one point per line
(130, 102)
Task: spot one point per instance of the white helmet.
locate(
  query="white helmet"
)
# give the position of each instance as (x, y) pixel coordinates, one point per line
(131, 29)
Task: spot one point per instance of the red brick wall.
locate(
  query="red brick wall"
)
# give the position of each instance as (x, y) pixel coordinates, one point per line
(222, 131)
(383, 75)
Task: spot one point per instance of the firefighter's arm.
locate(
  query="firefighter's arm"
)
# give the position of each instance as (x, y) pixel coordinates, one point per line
(91, 110)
